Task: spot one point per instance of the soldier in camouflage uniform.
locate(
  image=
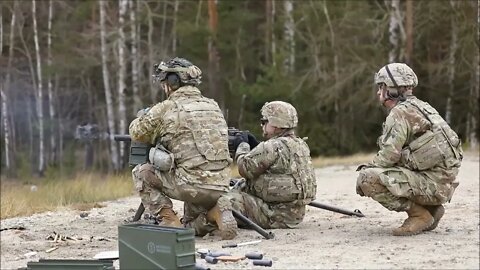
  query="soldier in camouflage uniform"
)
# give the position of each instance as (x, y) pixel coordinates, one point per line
(193, 131)
(280, 179)
(419, 156)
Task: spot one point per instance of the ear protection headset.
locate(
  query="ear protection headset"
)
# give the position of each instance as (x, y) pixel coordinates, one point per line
(394, 94)
(173, 80)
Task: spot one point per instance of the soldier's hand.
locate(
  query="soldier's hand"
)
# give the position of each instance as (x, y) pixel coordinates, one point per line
(239, 138)
(242, 149)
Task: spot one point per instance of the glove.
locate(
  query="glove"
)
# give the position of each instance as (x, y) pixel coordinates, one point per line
(242, 149)
(252, 141)
(142, 112)
(239, 138)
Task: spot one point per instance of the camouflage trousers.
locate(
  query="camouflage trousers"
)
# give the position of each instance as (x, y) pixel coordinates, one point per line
(396, 188)
(156, 188)
(265, 215)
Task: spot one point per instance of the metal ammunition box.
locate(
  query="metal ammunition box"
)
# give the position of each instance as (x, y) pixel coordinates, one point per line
(143, 246)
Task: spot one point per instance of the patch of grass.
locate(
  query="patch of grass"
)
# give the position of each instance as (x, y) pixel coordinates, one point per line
(82, 193)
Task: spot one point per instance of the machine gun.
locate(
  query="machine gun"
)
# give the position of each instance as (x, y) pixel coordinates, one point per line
(236, 136)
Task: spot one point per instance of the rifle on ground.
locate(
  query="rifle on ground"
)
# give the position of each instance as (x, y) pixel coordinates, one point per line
(355, 212)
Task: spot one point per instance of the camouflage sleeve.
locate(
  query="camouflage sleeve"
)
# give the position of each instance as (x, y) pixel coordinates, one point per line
(392, 140)
(143, 129)
(258, 160)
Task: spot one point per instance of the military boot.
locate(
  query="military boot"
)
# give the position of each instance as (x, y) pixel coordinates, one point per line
(437, 212)
(418, 220)
(168, 218)
(227, 225)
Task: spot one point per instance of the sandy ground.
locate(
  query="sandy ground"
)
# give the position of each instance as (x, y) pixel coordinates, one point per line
(325, 240)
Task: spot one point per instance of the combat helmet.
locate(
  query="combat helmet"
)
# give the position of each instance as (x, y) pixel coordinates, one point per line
(280, 114)
(396, 75)
(187, 72)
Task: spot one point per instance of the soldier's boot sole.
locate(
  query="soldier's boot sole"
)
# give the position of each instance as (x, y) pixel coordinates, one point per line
(437, 212)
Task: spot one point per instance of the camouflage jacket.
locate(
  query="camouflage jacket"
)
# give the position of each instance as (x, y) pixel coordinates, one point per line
(280, 170)
(193, 128)
(416, 136)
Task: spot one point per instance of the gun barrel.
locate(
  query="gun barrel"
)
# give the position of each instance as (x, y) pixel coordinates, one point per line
(260, 230)
(337, 210)
(122, 138)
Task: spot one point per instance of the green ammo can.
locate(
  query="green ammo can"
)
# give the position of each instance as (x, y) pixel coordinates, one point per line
(145, 246)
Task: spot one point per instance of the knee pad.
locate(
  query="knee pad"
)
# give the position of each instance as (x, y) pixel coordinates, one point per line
(370, 183)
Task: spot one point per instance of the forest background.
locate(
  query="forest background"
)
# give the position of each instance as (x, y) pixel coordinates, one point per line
(73, 73)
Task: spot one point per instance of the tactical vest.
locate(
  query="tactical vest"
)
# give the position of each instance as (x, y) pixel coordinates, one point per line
(200, 137)
(439, 146)
(294, 182)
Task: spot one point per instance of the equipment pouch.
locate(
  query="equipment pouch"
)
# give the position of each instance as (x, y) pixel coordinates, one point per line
(276, 188)
(424, 152)
(160, 158)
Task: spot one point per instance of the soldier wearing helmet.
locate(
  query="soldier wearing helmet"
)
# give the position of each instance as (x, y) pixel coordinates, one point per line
(419, 155)
(279, 176)
(192, 130)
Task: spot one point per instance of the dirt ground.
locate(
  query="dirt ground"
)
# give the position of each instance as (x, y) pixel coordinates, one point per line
(325, 240)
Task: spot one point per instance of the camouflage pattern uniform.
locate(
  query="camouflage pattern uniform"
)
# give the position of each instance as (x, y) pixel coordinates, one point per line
(419, 154)
(192, 128)
(280, 179)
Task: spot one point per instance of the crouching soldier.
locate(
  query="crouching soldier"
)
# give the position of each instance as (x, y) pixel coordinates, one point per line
(280, 179)
(419, 156)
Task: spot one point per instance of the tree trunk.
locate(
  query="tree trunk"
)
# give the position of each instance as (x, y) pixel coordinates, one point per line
(153, 91)
(268, 31)
(409, 32)
(174, 26)
(289, 31)
(213, 56)
(51, 106)
(41, 143)
(137, 102)
(122, 73)
(5, 89)
(394, 30)
(451, 63)
(274, 43)
(472, 135)
(106, 84)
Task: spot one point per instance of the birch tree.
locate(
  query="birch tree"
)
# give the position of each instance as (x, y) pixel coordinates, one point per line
(394, 30)
(137, 102)
(451, 62)
(122, 72)
(51, 105)
(39, 101)
(5, 86)
(106, 85)
(289, 32)
(409, 31)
